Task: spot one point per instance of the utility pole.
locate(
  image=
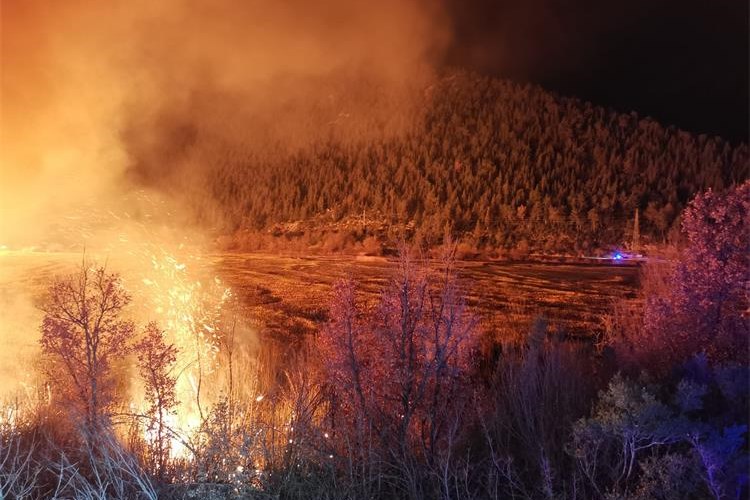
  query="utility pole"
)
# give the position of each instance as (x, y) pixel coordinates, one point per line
(636, 243)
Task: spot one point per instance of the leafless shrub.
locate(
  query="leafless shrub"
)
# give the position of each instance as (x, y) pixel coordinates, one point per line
(625, 327)
(19, 469)
(540, 388)
(100, 469)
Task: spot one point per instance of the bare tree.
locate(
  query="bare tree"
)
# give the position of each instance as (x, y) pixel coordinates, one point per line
(399, 373)
(82, 336)
(156, 361)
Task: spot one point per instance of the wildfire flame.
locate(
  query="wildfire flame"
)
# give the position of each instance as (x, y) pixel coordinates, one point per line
(167, 273)
(190, 312)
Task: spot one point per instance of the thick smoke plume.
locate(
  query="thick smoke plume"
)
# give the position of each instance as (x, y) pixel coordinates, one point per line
(114, 114)
(101, 96)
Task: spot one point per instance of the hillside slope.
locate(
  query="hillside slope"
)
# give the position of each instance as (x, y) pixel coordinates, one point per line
(497, 164)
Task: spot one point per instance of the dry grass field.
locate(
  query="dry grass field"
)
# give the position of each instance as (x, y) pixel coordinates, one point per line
(285, 298)
(290, 295)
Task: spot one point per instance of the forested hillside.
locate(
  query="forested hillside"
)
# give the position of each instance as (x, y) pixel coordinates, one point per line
(496, 164)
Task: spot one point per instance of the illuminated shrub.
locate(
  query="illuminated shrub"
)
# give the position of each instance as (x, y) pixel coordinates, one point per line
(156, 361)
(398, 372)
(698, 304)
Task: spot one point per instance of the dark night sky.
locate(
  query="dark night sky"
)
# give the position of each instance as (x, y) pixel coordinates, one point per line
(684, 63)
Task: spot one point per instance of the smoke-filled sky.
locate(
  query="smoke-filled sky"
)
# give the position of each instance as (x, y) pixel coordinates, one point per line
(97, 94)
(94, 91)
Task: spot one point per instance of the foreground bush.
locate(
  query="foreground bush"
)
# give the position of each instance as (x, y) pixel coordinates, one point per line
(398, 373)
(698, 303)
(684, 441)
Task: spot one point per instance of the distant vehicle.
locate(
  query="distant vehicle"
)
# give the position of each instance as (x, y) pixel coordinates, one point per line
(619, 256)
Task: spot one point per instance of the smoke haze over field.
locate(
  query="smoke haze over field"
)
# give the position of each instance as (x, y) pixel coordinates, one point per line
(92, 90)
(113, 112)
